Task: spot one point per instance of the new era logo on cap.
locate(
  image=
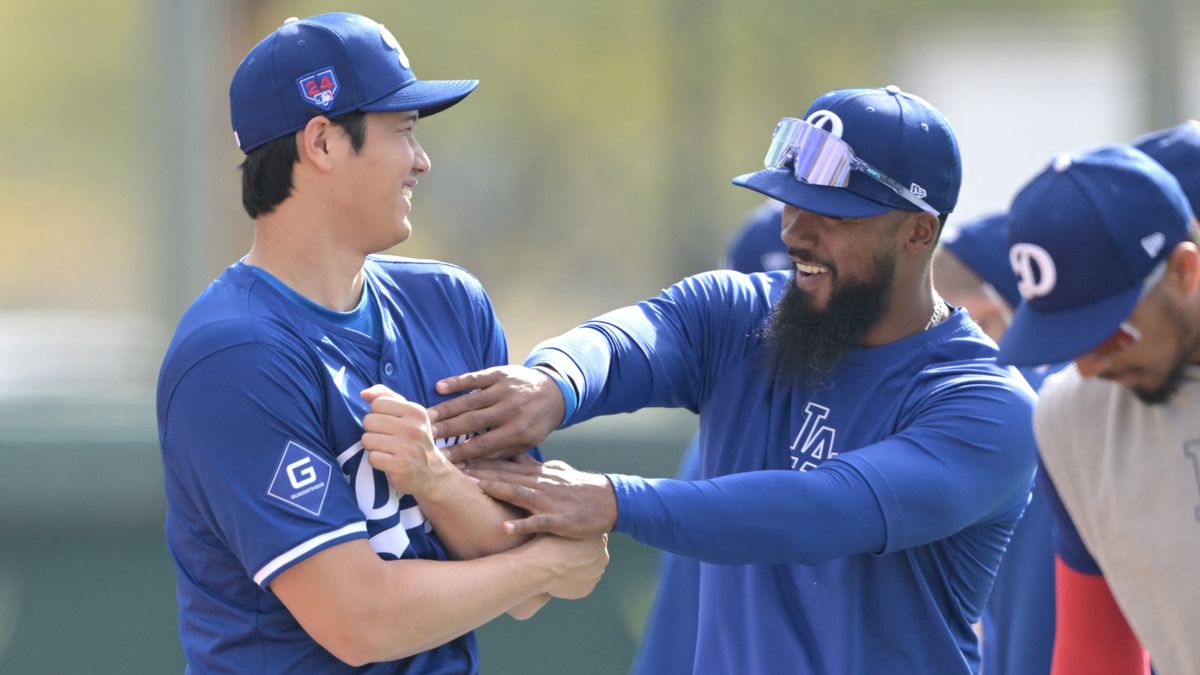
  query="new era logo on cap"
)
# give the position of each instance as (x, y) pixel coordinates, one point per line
(1085, 234)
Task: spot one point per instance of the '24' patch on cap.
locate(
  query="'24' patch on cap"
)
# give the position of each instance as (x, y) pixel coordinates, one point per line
(319, 88)
(301, 479)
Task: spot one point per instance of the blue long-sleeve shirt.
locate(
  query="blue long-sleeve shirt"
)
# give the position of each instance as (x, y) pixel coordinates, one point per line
(855, 528)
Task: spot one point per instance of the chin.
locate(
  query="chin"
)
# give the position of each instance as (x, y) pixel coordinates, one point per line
(403, 231)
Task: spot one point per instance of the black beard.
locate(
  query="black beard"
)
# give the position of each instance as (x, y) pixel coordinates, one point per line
(1169, 385)
(806, 344)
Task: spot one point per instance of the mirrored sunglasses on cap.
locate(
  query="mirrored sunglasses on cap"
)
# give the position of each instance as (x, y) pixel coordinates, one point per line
(820, 157)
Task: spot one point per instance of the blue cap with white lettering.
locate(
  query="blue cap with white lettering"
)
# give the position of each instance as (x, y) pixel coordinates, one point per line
(1084, 235)
(331, 65)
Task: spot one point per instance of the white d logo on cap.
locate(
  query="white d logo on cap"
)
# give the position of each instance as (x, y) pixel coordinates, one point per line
(1034, 268)
(390, 40)
(820, 117)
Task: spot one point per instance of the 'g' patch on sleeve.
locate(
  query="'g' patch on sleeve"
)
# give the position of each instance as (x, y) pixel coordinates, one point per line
(301, 479)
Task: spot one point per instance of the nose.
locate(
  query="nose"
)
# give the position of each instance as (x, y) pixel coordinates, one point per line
(799, 227)
(421, 162)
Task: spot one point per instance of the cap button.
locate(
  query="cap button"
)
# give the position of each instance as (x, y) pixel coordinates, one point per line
(892, 89)
(1062, 162)
(290, 19)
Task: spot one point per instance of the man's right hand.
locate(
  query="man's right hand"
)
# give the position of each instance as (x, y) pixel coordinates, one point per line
(517, 407)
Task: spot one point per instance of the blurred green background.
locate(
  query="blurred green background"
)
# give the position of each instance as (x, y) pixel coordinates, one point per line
(589, 170)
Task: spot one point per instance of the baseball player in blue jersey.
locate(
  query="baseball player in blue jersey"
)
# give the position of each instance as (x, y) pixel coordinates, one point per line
(971, 269)
(671, 622)
(315, 525)
(864, 459)
(1105, 247)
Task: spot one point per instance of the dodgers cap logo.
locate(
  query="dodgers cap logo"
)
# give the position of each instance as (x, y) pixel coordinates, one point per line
(1084, 236)
(1034, 269)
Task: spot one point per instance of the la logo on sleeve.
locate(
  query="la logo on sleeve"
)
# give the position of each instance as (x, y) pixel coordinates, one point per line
(301, 479)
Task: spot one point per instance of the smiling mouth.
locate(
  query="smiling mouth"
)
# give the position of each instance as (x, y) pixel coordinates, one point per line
(809, 269)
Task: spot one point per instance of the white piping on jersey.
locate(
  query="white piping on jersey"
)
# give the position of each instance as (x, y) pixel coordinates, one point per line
(297, 551)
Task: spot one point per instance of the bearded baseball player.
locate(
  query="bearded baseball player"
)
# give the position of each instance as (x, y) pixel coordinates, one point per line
(315, 525)
(863, 457)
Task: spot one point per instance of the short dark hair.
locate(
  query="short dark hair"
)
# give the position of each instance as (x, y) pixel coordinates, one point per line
(267, 170)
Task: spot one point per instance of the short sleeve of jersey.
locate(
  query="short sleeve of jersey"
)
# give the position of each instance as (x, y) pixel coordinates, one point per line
(967, 456)
(242, 443)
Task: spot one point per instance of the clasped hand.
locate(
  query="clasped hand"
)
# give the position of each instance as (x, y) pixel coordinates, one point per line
(398, 440)
(560, 499)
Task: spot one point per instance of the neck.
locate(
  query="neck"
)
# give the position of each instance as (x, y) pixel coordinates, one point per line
(911, 312)
(304, 252)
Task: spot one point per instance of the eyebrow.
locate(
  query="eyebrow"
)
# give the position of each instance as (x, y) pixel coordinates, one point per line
(411, 116)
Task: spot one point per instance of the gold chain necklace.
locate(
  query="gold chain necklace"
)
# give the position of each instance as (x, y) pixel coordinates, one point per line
(940, 313)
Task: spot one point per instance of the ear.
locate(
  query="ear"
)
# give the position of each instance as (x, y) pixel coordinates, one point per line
(314, 143)
(1183, 268)
(921, 230)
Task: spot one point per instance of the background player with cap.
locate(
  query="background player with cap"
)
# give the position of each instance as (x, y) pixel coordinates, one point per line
(863, 456)
(971, 269)
(310, 516)
(1104, 245)
(671, 621)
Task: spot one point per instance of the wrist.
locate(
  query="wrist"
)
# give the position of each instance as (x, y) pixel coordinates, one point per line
(439, 484)
(570, 397)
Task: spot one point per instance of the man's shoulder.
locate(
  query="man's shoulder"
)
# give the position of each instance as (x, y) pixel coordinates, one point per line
(231, 314)
(400, 271)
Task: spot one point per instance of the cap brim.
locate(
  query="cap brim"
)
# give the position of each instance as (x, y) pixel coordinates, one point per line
(828, 201)
(1036, 338)
(425, 96)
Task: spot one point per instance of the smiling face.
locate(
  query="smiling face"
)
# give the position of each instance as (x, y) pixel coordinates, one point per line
(845, 272)
(376, 184)
(831, 253)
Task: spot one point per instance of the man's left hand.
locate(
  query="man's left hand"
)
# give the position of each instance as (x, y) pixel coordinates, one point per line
(560, 499)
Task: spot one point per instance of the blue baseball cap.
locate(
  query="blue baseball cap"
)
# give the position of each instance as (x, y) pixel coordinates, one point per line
(1178, 150)
(1084, 235)
(897, 133)
(331, 64)
(757, 246)
(982, 245)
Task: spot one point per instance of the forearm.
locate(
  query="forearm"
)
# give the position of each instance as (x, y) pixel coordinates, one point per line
(468, 522)
(608, 362)
(364, 609)
(455, 597)
(756, 517)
